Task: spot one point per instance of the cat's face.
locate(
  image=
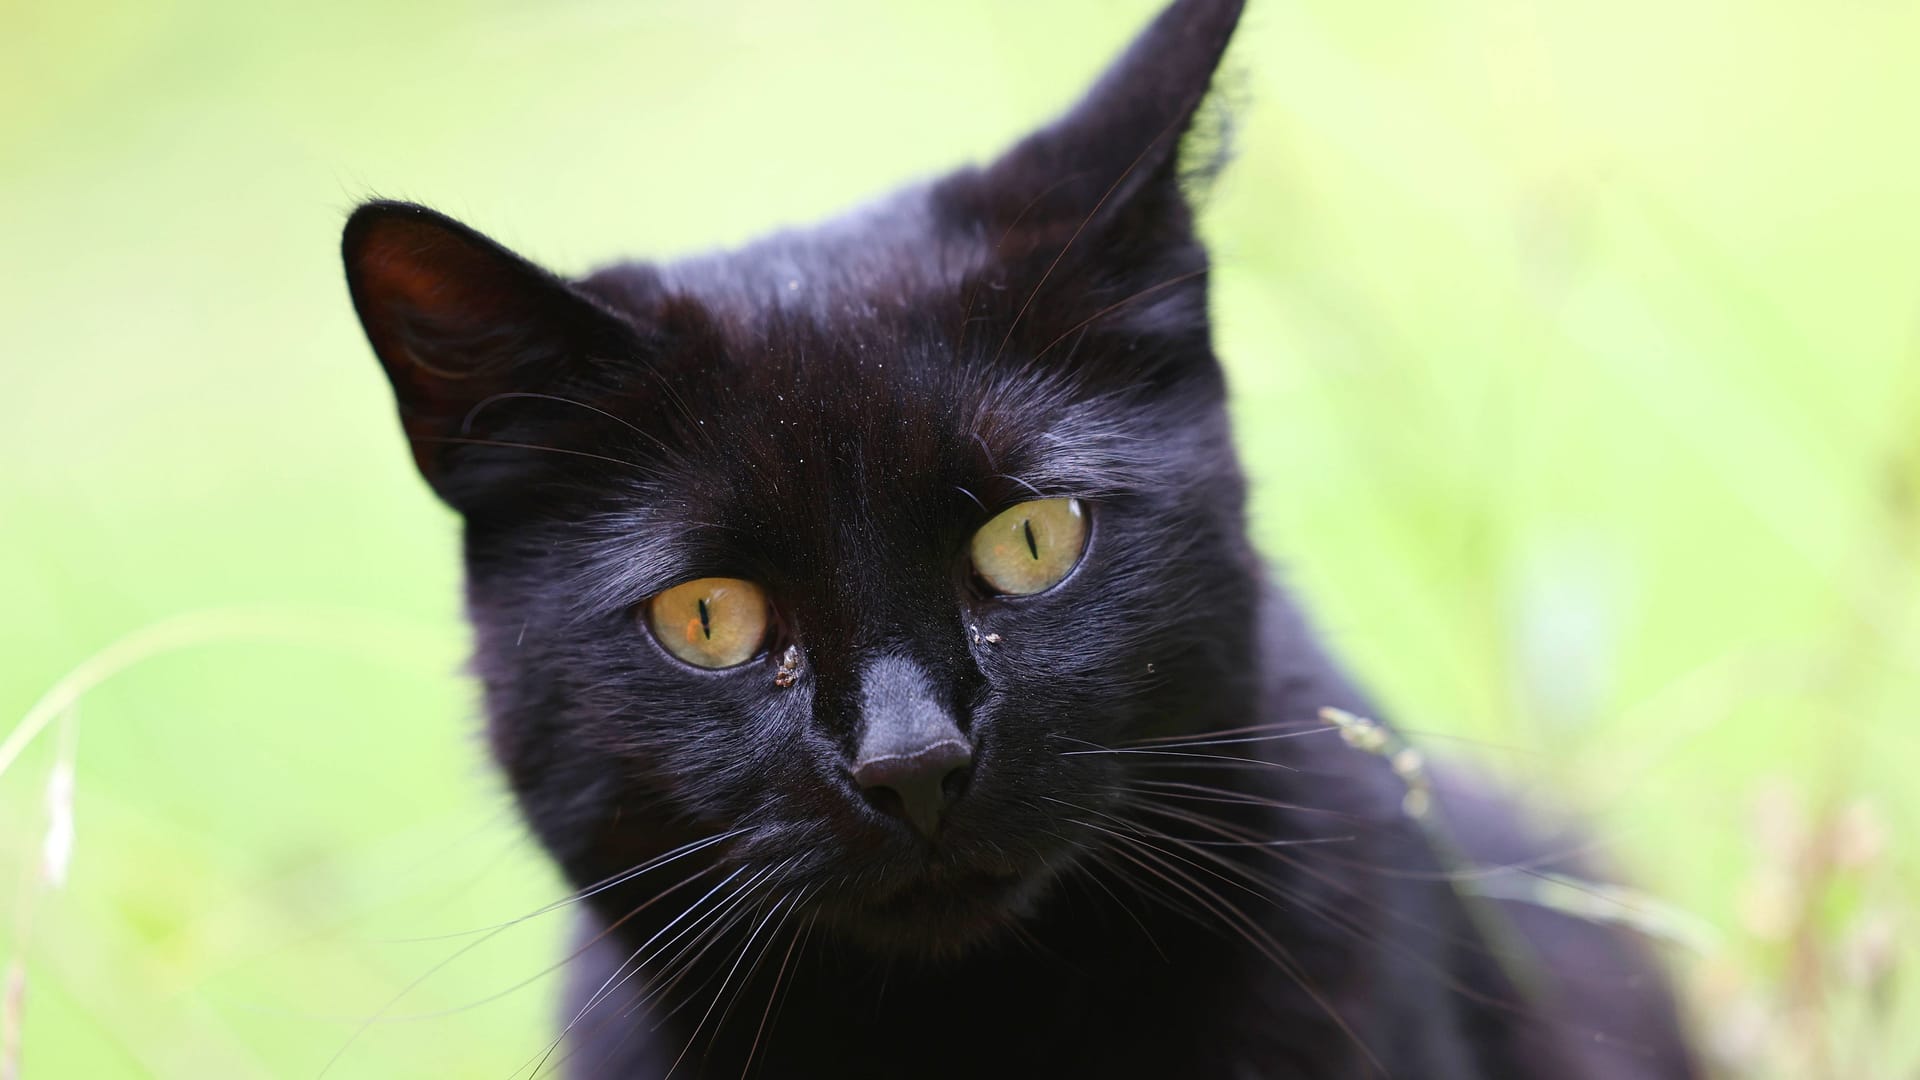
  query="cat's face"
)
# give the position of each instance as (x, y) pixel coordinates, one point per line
(842, 545)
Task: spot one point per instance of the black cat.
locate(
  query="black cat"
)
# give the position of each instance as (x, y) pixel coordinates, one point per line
(869, 628)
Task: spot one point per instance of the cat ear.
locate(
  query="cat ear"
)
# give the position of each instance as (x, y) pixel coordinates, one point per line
(1121, 141)
(458, 321)
(1093, 236)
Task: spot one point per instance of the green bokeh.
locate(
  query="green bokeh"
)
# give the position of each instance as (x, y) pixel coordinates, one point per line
(1577, 358)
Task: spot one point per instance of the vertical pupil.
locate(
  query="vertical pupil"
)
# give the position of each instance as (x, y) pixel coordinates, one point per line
(706, 623)
(1032, 547)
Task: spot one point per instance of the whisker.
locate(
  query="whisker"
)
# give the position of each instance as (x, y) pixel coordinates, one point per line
(1037, 493)
(1237, 740)
(971, 495)
(701, 927)
(1133, 835)
(745, 947)
(1254, 935)
(466, 422)
(966, 303)
(1159, 896)
(568, 959)
(503, 444)
(621, 976)
(774, 995)
(1534, 866)
(1125, 910)
(637, 961)
(1343, 920)
(792, 902)
(1113, 307)
(370, 1021)
(1203, 920)
(1222, 828)
(1244, 729)
(1183, 754)
(1506, 950)
(1180, 119)
(597, 887)
(1294, 842)
(1138, 832)
(1187, 790)
(681, 964)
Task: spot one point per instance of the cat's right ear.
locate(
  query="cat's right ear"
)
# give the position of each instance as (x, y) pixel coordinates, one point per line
(459, 322)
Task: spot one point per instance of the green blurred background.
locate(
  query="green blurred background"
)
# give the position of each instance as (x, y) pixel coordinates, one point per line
(1576, 348)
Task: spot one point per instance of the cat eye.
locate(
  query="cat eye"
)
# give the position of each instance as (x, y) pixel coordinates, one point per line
(710, 622)
(1029, 548)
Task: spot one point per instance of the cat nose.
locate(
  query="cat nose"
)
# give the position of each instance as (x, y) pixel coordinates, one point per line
(912, 759)
(917, 787)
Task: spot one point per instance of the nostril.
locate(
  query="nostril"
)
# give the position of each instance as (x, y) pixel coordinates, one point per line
(954, 784)
(886, 800)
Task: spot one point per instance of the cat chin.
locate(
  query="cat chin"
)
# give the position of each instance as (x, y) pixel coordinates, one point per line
(939, 918)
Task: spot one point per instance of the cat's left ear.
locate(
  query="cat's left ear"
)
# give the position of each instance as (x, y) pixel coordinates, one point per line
(461, 323)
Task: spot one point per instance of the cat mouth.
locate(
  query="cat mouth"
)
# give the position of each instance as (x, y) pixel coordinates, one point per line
(942, 910)
(963, 889)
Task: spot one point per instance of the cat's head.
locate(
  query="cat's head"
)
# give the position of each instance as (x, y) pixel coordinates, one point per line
(844, 543)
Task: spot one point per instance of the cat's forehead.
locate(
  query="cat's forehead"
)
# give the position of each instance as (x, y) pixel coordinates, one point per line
(836, 346)
(863, 410)
(901, 255)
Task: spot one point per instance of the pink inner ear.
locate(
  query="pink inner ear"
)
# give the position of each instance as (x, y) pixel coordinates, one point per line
(421, 286)
(436, 304)
(459, 321)
(420, 270)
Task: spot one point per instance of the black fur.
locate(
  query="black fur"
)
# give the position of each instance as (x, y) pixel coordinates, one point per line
(832, 413)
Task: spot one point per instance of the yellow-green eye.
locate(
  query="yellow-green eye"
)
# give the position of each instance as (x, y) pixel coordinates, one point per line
(1030, 547)
(712, 622)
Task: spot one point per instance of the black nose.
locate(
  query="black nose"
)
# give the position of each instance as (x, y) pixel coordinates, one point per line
(912, 759)
(916, 787)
